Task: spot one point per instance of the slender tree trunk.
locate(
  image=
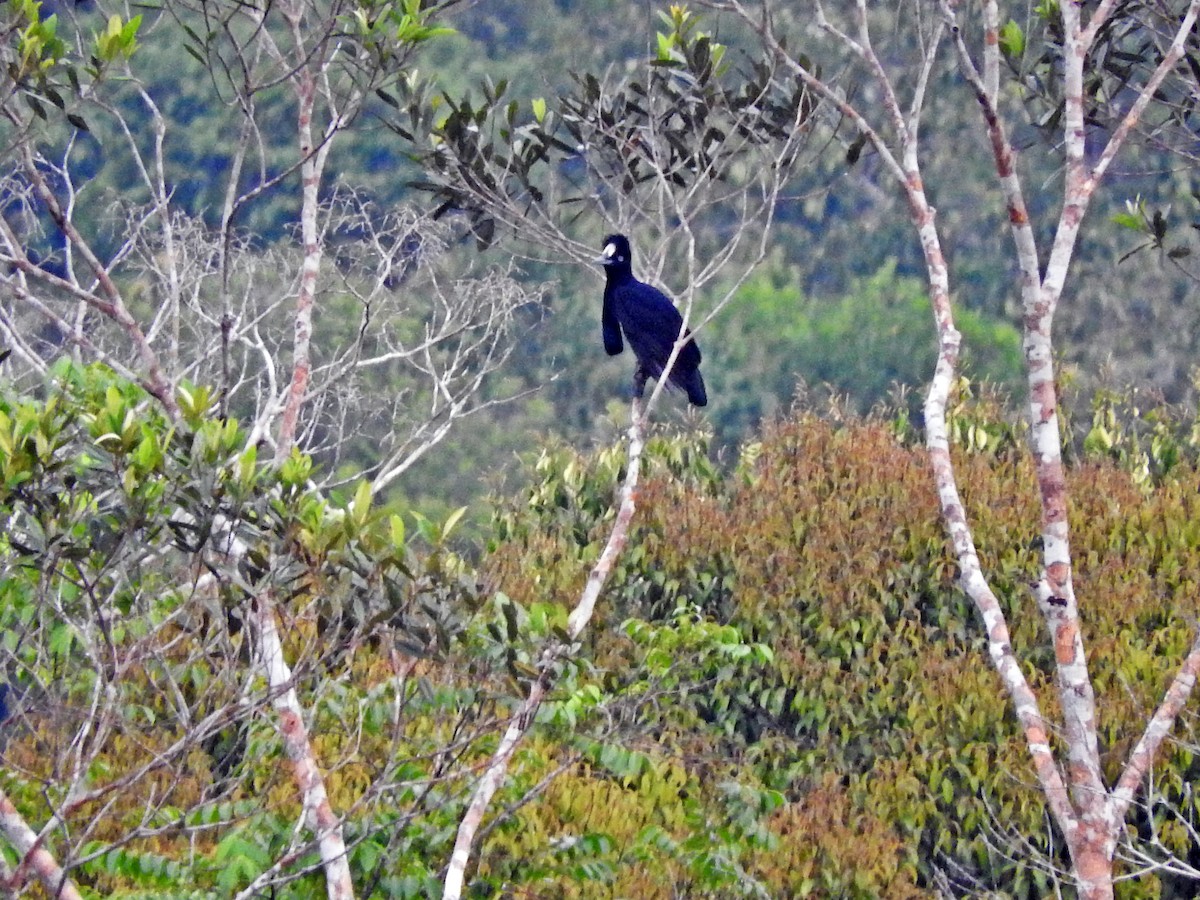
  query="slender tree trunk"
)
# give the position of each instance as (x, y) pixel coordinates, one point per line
(578, 620)
(318, 813)
(310, 179)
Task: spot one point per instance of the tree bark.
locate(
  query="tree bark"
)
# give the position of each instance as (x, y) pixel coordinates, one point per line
(33, 854)
(318, 813)
(1089, 816)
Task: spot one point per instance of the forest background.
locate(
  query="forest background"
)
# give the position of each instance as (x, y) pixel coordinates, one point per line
(225, 552)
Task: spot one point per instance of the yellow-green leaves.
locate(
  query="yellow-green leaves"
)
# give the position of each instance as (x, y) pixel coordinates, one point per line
(359, 510)
(248, 470)
(296, 470)
(118, 40)
(30, 440)
(115, 427)
(434, 534)
(40, 47)
(47, 71)
(451, 521)
(1012, 40)
(666, 47)
(195, 402)
(684, 44)
(1134, 216)
(396, 530)
(388, 27)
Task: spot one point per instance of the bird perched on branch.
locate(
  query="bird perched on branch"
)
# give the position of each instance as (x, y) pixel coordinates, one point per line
(649, 321)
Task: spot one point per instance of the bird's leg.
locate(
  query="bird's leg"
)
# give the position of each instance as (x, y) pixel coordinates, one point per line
(639, 382)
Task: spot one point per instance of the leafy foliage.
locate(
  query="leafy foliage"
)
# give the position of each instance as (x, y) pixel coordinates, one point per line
(687, 125)
(41, 65)
(872, 706)
(1129, 46)
(125, 606)
(785, 694)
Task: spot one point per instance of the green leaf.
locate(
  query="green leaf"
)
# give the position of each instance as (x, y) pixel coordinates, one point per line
(452, 520)
(368, 854)
(34, 105)
(427, 530)
(360, 509)
(62, 637)
(665, 47)
(1012, 40)
(148, 454)
(247, 466)
(396, 524)
(1129, 220)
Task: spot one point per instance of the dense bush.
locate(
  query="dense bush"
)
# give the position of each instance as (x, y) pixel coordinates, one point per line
(139, 715)
(877, 716)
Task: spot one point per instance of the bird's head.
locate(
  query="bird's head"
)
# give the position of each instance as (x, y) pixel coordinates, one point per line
(616, 251)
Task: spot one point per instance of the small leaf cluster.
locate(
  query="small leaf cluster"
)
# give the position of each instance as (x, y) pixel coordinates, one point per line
(40, 64)
(1146, 437)
(681, 126)
(39, 47)
(381, 25)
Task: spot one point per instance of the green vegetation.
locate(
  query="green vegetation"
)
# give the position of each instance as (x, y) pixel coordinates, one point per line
(859, 328)
(784, 694)
(876, 704)
(863, 345)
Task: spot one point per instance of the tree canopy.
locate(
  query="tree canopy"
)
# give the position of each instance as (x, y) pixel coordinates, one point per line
(284, 286)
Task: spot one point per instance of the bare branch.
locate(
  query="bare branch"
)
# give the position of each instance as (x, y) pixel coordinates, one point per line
(112, 305)
(33, 854)
(1146, 750)
(578, 620)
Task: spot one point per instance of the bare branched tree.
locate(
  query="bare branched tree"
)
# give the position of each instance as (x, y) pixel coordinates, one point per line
(151, 281)
(1089, 812)
(692, 161)
(352, 339)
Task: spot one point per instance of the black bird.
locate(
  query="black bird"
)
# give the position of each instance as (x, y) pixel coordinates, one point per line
(649, 321)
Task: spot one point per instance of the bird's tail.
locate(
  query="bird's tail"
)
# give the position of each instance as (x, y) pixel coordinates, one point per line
(694, 385)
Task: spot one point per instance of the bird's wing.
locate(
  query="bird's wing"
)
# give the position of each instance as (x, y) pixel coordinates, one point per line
(610, 327)
(651, 324)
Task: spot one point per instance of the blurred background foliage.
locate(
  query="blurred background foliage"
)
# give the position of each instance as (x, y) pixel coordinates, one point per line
(837, 307)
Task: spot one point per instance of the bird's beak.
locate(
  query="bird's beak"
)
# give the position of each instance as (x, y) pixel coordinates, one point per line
(608, 256)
